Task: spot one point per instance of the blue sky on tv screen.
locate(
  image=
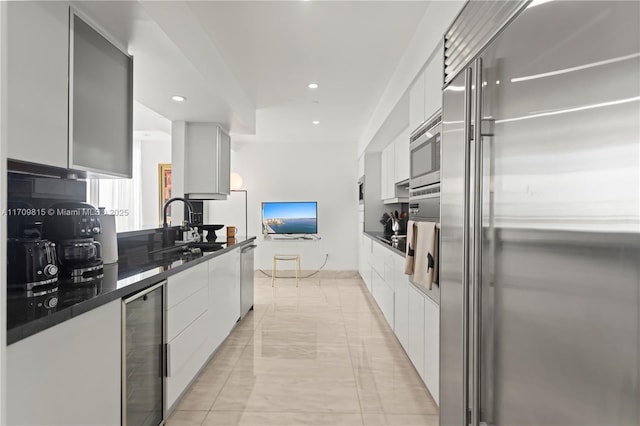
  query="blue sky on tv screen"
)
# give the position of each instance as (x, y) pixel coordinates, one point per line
(289, 210)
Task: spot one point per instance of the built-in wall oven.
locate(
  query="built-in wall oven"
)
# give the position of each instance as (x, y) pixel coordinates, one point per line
(424, 184)
(424, 149)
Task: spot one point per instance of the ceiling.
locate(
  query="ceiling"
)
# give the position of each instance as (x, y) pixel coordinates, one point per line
(247, 64)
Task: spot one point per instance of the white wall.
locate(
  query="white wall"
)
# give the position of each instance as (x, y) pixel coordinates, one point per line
(325, 173)
(178, 138)
(153, 152)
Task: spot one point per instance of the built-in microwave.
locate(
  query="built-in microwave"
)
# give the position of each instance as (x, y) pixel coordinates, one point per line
(424, 148)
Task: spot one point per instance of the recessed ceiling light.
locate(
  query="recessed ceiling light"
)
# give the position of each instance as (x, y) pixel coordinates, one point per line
(178, 98)
(315, 122)
(313, 85)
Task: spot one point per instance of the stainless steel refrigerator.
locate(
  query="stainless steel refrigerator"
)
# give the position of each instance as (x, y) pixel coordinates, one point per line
(540, 215)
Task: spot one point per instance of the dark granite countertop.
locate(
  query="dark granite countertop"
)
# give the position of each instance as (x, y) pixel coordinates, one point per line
(27, 316)
(385, 239)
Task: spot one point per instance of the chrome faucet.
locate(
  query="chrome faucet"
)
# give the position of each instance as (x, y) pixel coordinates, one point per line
(171, 200)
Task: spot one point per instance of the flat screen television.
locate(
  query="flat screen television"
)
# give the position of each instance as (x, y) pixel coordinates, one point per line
(295, 217)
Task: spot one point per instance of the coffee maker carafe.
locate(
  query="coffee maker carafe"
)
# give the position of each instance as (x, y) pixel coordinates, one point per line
(72, 226)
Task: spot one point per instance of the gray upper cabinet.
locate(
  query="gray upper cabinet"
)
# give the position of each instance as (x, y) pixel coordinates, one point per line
(37, 81)
(207, 162)
(101, 103)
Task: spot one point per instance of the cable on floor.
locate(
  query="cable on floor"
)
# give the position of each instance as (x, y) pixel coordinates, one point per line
(326, 257)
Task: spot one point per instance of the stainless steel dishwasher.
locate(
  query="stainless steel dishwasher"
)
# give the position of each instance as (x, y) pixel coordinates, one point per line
(246, 279)
(143, 357)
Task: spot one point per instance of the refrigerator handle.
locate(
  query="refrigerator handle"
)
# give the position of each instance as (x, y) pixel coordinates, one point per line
(465, 242)
(477, 247)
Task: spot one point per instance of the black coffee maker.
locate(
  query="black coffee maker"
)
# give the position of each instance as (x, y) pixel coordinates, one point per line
(73, 226)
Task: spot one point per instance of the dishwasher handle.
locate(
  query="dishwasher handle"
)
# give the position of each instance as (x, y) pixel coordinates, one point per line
(248, 248)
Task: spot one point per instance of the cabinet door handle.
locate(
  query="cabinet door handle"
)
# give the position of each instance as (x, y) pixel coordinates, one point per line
(168, 358)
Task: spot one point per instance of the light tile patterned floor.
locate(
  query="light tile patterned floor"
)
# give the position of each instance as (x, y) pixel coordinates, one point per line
(319, 354)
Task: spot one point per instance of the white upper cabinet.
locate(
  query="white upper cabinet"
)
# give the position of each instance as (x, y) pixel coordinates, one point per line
(433, 81)
(394, 163)
(387, 182)
(101, 103)
(207, 162)
(425, 96)
(401, 156)
(37, 81)
(416, 103)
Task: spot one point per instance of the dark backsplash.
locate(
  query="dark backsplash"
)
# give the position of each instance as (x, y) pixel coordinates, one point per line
(29, 196)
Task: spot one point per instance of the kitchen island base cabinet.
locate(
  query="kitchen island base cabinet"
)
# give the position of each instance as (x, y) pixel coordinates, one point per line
(72, 383)
(187, 328)
(224, 296)
(186, 355)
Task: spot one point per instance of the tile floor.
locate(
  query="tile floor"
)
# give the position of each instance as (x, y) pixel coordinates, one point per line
(319, 354)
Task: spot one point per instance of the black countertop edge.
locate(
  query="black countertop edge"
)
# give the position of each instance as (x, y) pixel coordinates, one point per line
(375, 236)
(138, 282)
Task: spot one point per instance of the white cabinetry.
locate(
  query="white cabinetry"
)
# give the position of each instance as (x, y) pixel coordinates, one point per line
(416, 330)
(425, 96)
(432, 347)
(187, 328)
(394, 163)
(401, 305)
(37, 81)
(433, 80)
(387, 175)
(414, 317)
(364, 260)
(203, 305)
(416, 102)
(401, 156)
(224, 296)
(207, 162)
(72, 383)
(381, 284)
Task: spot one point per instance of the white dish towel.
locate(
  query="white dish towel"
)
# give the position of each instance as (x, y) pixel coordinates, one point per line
(425, 256)
(411, 243)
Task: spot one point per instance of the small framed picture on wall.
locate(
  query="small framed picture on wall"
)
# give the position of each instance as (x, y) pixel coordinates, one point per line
(164, 184)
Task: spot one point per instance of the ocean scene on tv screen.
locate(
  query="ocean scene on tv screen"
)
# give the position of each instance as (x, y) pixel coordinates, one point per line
(290, 218)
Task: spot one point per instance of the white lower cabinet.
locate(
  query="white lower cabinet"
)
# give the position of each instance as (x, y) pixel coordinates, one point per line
(72, 383)
(401, 308)
(187, 323)
(383, 294)
(414, 317)
(224, 296)
(432, 347)
(364, 260)
(416, 330)
(186, 355)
